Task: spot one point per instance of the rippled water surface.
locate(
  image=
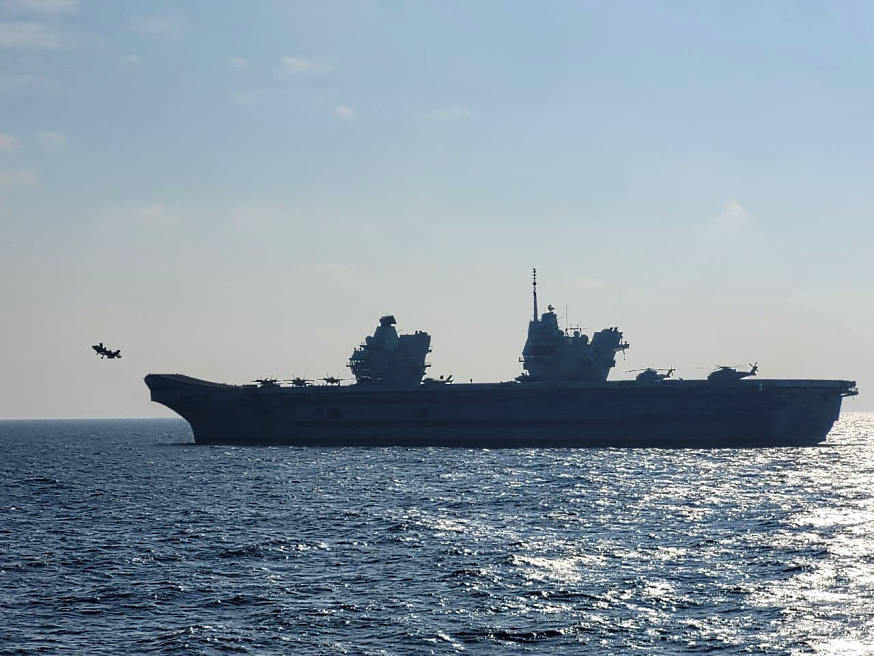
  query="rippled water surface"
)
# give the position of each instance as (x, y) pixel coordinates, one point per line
(122, 537)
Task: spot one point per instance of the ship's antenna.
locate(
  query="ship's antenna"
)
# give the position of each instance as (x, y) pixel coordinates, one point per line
(534, 287)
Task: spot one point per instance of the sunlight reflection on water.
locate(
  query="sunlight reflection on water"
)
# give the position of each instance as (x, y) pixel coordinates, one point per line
(271, 550)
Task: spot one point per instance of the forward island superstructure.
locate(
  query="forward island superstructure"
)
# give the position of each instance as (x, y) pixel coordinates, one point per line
(561, 399)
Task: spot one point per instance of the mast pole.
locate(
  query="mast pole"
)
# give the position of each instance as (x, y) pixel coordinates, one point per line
(534, 288)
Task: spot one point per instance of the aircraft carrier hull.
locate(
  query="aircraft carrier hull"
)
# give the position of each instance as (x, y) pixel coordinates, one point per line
(668, 414)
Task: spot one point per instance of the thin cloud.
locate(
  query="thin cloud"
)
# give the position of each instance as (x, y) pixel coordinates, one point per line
(301, 66)
(51, 138)
(239, 63)
(129, 60)
(734, 240)
(17, 179)
(30, 35)
(11, 84)
(249, 98)
(154, 25)
(734, 218)
(44, 7)
(454, 113)
(345, 113)
(8, 142)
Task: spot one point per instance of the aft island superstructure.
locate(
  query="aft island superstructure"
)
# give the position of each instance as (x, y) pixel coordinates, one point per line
(561, 399)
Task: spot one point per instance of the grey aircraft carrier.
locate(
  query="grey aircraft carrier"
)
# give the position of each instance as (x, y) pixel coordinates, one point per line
(561, 399)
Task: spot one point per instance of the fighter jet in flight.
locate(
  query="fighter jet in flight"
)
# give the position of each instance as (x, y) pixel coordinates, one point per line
(105, 352)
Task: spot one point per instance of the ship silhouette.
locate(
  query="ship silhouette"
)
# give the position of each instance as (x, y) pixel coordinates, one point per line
(561, 399)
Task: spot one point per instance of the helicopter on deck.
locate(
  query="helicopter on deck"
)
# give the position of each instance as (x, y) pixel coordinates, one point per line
(300, 382)
(106, 352)
(650, 375)
(727, 374)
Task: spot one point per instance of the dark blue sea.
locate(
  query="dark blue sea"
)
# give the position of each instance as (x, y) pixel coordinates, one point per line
(121, 536)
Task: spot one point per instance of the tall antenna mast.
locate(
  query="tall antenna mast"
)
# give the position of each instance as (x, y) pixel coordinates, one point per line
(534, 287)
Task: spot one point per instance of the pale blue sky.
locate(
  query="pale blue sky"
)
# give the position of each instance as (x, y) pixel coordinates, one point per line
(233, 190)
